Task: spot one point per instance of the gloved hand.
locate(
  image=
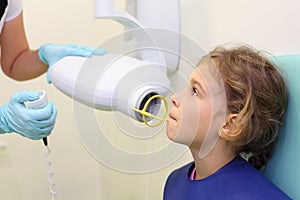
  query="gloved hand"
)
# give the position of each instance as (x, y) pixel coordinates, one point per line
(51, 53)
(31, 123)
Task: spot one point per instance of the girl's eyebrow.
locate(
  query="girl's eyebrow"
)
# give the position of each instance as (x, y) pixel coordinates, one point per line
(195, 82)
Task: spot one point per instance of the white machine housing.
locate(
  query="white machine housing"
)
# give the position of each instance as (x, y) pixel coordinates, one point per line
(110, 82)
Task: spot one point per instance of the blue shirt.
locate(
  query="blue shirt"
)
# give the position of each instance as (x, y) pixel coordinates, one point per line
(238, 180)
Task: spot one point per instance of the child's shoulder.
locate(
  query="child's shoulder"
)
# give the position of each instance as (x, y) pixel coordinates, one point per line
(241, 177)
(236, 180)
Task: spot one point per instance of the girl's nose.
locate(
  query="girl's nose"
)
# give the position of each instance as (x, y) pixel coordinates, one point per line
(175, 100)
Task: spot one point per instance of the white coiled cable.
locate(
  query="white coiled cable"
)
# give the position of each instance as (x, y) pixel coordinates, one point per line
(50, 174)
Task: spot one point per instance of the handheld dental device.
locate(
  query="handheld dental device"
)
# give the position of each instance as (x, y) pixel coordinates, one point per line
(41, 102)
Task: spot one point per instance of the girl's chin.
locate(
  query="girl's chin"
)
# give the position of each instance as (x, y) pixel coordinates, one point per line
(173, 135)
(171, 132)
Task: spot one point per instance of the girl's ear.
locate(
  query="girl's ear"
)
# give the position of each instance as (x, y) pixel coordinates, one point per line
(231, 128)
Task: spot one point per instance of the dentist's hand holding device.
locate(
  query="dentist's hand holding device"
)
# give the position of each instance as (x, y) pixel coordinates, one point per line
(35, 123)
(41, 102)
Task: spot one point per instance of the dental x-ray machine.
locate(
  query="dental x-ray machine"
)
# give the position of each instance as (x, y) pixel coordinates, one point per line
(120, 80)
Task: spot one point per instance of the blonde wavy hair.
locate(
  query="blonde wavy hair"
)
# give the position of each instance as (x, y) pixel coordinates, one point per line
(255, 90)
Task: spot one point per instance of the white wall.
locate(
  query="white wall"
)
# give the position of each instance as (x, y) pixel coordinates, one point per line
(266, 24)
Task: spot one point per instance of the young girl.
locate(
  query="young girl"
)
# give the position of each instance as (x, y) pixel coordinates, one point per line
(256, 100)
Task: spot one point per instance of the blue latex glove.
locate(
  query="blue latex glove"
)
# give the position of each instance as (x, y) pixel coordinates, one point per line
(31, 123)
(51, 53)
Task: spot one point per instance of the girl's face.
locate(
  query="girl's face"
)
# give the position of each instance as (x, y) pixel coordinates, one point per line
(190, 115)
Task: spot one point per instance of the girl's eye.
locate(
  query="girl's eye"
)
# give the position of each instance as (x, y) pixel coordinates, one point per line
(194, 91)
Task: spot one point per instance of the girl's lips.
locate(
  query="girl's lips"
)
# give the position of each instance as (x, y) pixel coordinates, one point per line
(171, 117)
